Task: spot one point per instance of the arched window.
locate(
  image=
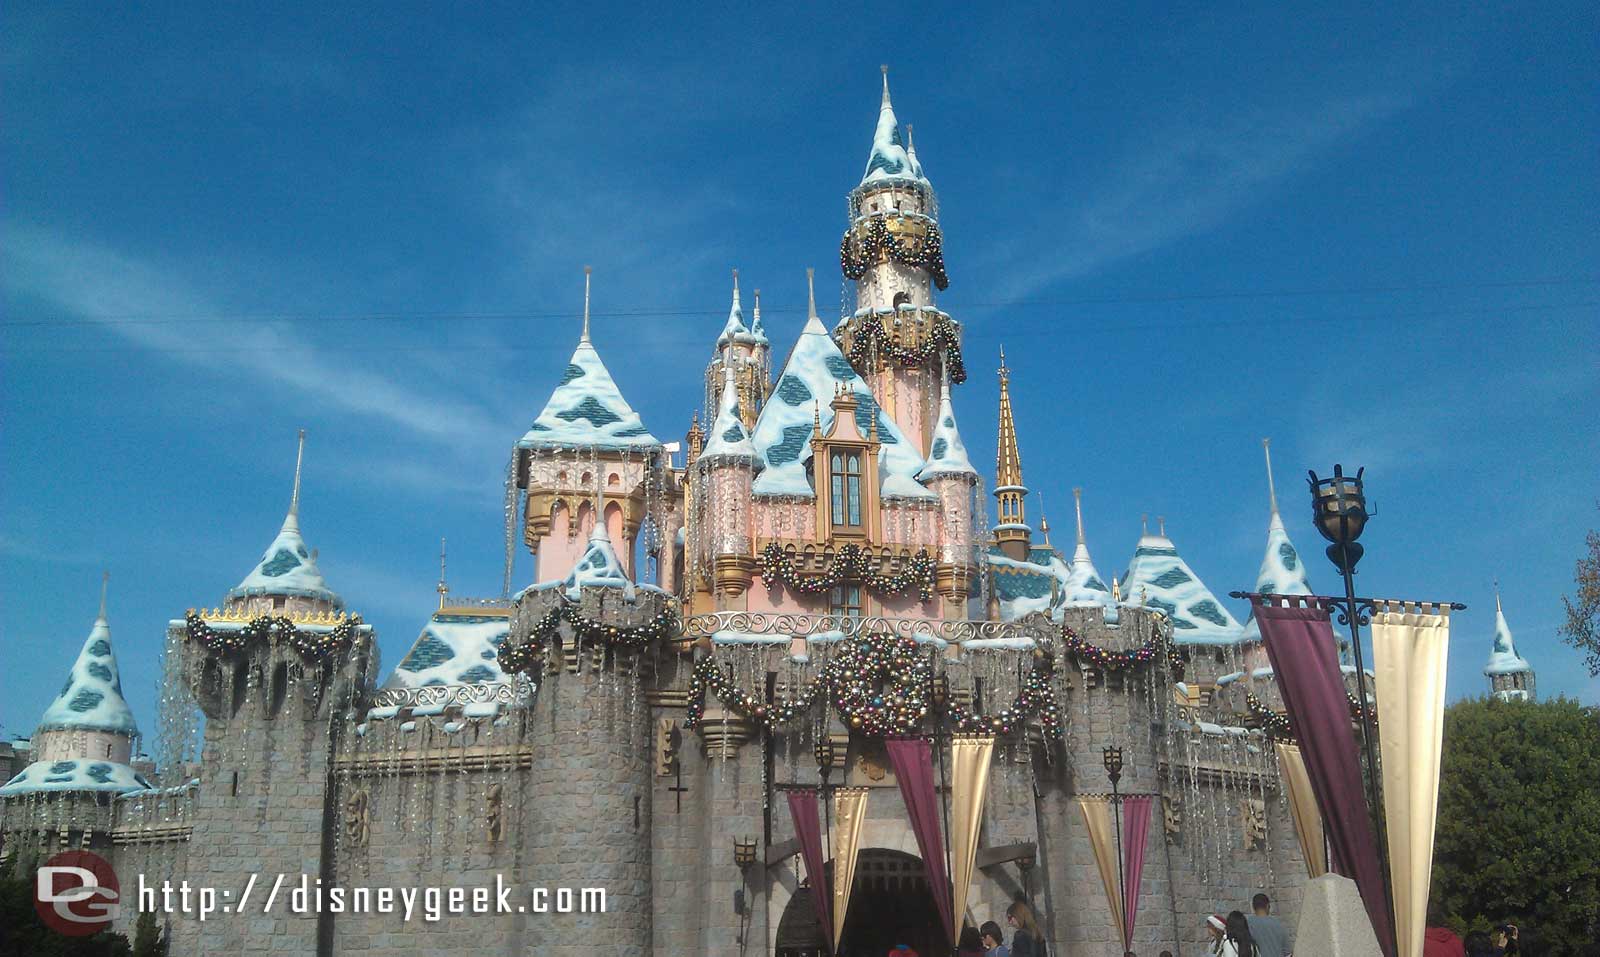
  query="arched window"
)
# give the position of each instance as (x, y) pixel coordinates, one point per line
(845, 489)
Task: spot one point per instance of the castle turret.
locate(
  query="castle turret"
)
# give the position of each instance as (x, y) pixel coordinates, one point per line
(725, 469)
(1011, 532)
(586, 640)
(587, 435)
(1159, 578)
(897, 338)
(1510, 676)
(745, 351)
(287, 578)
(1084, 588)
(84, 742)
(949, 473)
(1282, 572)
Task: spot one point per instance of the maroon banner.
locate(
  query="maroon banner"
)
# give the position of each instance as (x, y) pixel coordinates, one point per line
(1135, 833)
(808, 828)
(913, 769)
(1300, 643)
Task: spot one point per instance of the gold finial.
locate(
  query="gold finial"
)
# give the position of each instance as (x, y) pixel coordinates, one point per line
(816, 416)
(105, 580)
(443, 588)
(1077, 504)
(586, 272)
(1005, 374)
(1044, 524)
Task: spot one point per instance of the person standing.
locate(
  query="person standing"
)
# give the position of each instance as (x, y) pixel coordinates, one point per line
(1439, 940)
(1025, 936)
(1238, 934)
(994, 940)
(1268, 932)
(1220, 945)
(971, 943)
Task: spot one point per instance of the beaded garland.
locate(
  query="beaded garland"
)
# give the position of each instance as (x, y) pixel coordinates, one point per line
(941, 337)
(929, 255)
(273, 629)
(1277, 725)
(850, 565)
(528, 656)
(1107, 660)
(881, 686)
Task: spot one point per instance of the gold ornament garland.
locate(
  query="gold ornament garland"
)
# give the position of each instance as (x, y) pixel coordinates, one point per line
(851, 564)
(274, 630)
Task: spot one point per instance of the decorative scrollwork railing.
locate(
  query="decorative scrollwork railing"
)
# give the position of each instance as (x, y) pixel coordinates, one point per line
(500, 692)
(795, 624)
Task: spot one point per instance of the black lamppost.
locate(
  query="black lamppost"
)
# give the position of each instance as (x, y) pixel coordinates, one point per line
(1113, 762)
(1339, 509)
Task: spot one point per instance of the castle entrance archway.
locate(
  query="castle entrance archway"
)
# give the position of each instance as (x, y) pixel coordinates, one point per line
(890, 904)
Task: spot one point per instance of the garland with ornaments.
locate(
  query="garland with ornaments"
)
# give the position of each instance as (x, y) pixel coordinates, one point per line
(851, 564)
(527, 656)
(942, 337)
(929, 254)
(1105, 659)
(274, 630)
(881, 686)
(1277, 725)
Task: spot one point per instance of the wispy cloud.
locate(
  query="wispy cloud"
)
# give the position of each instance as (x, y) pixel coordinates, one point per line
(1190, 177)
(88, 280)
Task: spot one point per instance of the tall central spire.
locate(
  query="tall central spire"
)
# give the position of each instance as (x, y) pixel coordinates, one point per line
(1012, 533)
(293, 519)
(585, 336)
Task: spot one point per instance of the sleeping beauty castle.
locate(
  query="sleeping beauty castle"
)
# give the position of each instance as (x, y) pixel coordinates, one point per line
(807, 682)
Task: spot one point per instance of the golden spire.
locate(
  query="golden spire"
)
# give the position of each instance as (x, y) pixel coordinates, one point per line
(1008, 462)
(1012, 533)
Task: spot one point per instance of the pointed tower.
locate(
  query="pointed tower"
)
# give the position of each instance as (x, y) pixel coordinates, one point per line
(1510, 676)
(1159, 578)
(586, 434)
(949, 473)
(1012, 532)
(459, 645)
(897, 338)
(724, 472)
(746, 351)
(1282, 572)
(287, 577)
(1084, 588)
(84, 741)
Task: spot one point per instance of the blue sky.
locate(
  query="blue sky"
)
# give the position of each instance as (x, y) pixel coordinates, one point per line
(1370, 236)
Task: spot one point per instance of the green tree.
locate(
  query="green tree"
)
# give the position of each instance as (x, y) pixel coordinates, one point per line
(148, 940)
(1582, 627)
(1519, 821)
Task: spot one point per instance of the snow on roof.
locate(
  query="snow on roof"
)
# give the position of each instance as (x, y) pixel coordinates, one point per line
(947, 454)
(1159, 578)
(287, 567)
(92, 698)
(888, 161)
(1024, 587)
(75, 775)
(1503, 659)
(587, 410)
(1282, 572)
(455, 647)
(735, 328)
(782, 435)
(1083, 586)
(728, 439)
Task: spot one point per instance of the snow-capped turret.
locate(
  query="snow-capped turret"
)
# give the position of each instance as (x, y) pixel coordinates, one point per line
(1159, 578)
(1084, 588)
(947, 454)
(1509, 674)
(587, 410)
(287, 572)
(84, 740)
(745, 351)
(735, 326)
(729, 441)
(1282, 572)
(889, 162)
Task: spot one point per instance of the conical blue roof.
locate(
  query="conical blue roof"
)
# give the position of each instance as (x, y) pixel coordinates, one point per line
(947, 454)
(1503, 659)
(735, 327)
(728, 439)
(91, 700)
(587, 410)
(287, 567)
(889, 162)
(456, 647)
(1282, 572)
(1084, 587)
(1158, 577)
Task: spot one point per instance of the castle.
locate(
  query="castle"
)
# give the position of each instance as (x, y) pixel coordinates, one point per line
(705, 635)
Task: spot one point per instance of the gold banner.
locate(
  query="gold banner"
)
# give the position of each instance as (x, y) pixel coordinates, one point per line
(1409, 647)
(849, 814)
(1303, 805)
(1103, 837)
(970, 755)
